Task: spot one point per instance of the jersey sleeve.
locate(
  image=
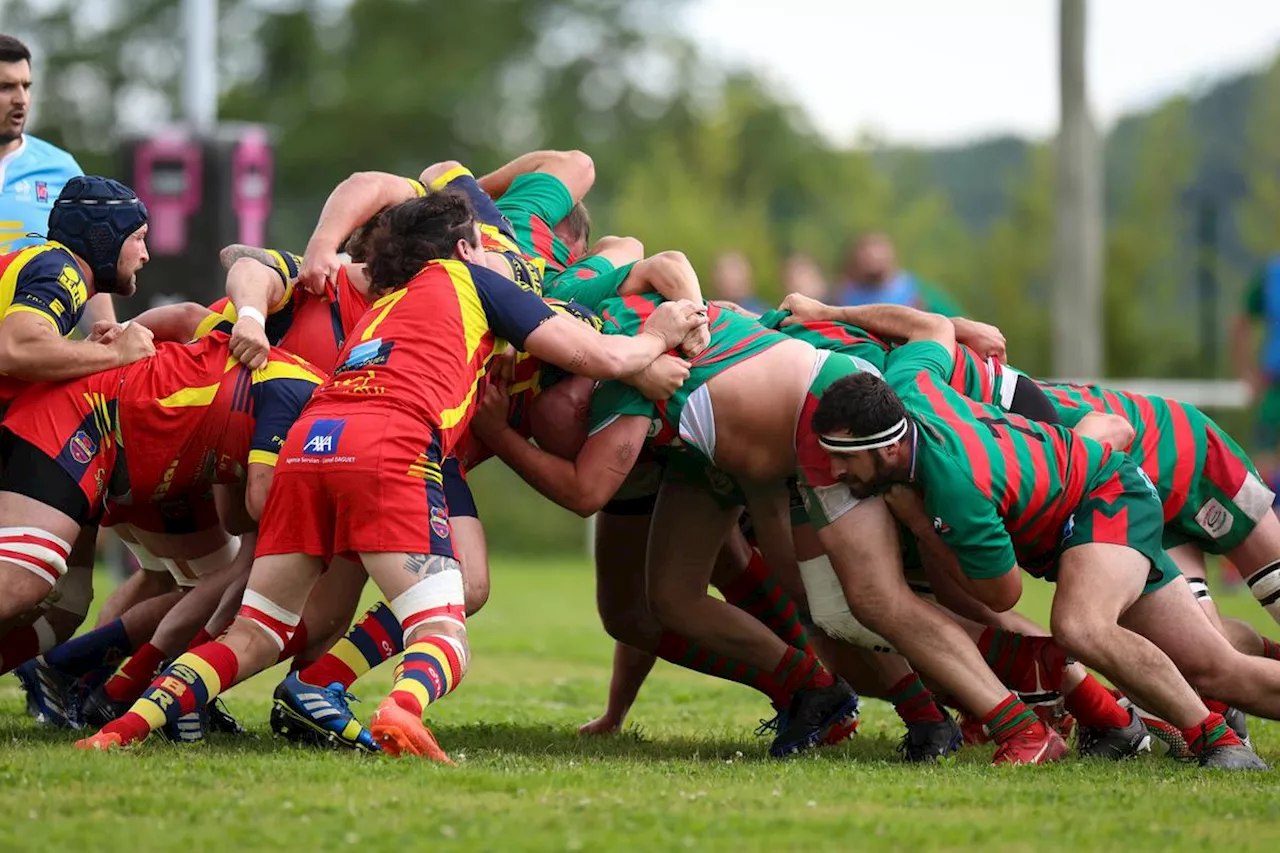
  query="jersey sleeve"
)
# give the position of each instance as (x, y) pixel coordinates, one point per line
(461, 180)
(967, 522)
(280, 390)
(1070, 416)
(590, 291)
(539, 194)
(49, 285)
(513, 312)
(908, 361)
(1255, 303)
(613, 400)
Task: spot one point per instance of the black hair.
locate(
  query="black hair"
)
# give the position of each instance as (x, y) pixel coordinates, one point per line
(860, 404)
(411, 233)
(13, 50)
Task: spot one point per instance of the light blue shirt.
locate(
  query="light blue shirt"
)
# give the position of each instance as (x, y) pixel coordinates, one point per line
(30, 179)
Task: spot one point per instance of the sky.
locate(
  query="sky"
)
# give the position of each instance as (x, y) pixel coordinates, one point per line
(947, 71)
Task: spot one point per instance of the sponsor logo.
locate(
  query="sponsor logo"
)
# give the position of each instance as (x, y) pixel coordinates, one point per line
(42, 191)
(439, 523)
(1215, 519)
(368, 354)
(82, 447)
(1151, 487)
(166, 481)
(941, 527)
(74, 285)
(1069, 528)
(322, 440)
(22, 188)
(655, 427)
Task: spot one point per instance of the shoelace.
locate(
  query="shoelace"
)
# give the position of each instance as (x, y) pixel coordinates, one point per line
(340, 697)
(772, 725)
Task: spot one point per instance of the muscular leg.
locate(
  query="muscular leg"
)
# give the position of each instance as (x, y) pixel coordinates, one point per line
(33, 561)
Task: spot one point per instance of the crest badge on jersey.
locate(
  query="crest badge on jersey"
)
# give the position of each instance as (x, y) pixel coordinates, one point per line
(82, 447)
(1215, 519)
(42, 191)
(322, 440)
(439, 523)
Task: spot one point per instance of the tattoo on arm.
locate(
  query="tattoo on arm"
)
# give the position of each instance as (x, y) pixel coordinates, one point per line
(426, 565)
(579, 359)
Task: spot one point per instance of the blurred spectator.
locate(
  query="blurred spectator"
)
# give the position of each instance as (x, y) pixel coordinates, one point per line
(802, 275)
(872, 275)
(731, 280)
(1259, 366)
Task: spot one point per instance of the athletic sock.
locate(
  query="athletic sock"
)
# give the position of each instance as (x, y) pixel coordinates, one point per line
(681, 651)
(1024, 664)
(202, 636)
(374, 639)
(23, 642)
(1009, 718)
(296, 645)
(189, 683)
(913, 701)
(109, 644)
(1270, 648)
(1211, 732)
(431, 669)
(758, 593)
(133, 676)
(796, 671)
(1094, 705)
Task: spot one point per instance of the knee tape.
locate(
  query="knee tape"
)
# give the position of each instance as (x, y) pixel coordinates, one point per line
(1199, 589)
(187, 573)
(278, 623)
(1264, 584)
(36, 550)
(438, 597)
(830, 609)
(148, 561)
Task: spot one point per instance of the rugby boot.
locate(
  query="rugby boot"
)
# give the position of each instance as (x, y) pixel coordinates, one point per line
(930, 740)
(811, 716)
(1115, 744)
(1035, 745)
(318, 716)
(398, 732)
(1231, 757)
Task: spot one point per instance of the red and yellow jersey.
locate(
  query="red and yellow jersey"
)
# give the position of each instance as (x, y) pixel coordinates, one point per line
(44, 280)
(192, 415)
(423, 349)
(313, 327)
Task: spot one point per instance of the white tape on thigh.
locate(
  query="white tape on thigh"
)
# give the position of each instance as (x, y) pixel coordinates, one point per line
(148, 561)
(278, 623)
(35, 550)
(219, 559)
(830, 609)
(438, 597)
(1265, 584)
(1199, 589)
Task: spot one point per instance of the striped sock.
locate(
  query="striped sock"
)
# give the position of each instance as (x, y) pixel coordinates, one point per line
(109, 644)
(135, 674)
(1270, 648)
(1008, 719)
(1022, 663)
(432, 668)
(375, 638)
(756, 592)
(1211, 732)
(682, 651)
(795, 671)
(1094, 705)
(913, 701)
(190, 682)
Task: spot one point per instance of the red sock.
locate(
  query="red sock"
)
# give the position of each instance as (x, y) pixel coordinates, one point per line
(1210, 732)
(296, 645)
(680, 650)
(18, 646)
(796, 671)
(1093, 705)
(135, 674)
(1022, 663)
(913, 701)
(1009, 718)
(757, 592)
(202, 636)
(1270, 649)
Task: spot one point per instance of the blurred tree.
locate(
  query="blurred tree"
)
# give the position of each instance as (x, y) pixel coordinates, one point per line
(1259, 213)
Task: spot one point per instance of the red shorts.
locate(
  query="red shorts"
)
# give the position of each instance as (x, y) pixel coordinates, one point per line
(367, 482)
(173, 516)
(75, 424)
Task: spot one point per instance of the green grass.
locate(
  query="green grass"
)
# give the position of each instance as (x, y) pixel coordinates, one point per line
(688, 774)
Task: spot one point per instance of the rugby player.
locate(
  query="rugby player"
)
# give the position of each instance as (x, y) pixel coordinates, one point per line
(1005, 491)
(405, 384)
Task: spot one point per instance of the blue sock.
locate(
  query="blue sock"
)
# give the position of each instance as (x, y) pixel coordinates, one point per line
(107, 645)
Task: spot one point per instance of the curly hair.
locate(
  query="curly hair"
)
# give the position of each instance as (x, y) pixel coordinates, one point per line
(404, 237)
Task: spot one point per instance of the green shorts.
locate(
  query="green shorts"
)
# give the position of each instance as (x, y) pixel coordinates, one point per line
(1123, 510)
(1225, 499)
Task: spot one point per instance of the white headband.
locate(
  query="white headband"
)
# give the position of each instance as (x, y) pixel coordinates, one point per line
(851, 444)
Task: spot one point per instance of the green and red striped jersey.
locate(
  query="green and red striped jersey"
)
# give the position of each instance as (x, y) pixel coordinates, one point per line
(1000, 488)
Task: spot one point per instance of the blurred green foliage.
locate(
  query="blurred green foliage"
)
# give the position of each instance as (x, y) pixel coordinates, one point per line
(688, 155)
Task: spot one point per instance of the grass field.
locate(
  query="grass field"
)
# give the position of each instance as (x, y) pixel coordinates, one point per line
(687, 775)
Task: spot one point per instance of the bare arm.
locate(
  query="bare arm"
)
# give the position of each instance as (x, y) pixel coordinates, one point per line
(176, 322)
(31, 349)
(587, 483)
(580, 349)
(667, 273)
(353, 202)
(898, 322)
(257, 484)
(618, 251)
(575, 169)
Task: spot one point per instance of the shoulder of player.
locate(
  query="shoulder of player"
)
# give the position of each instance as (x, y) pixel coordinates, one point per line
(51, 155)
(48, 260)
